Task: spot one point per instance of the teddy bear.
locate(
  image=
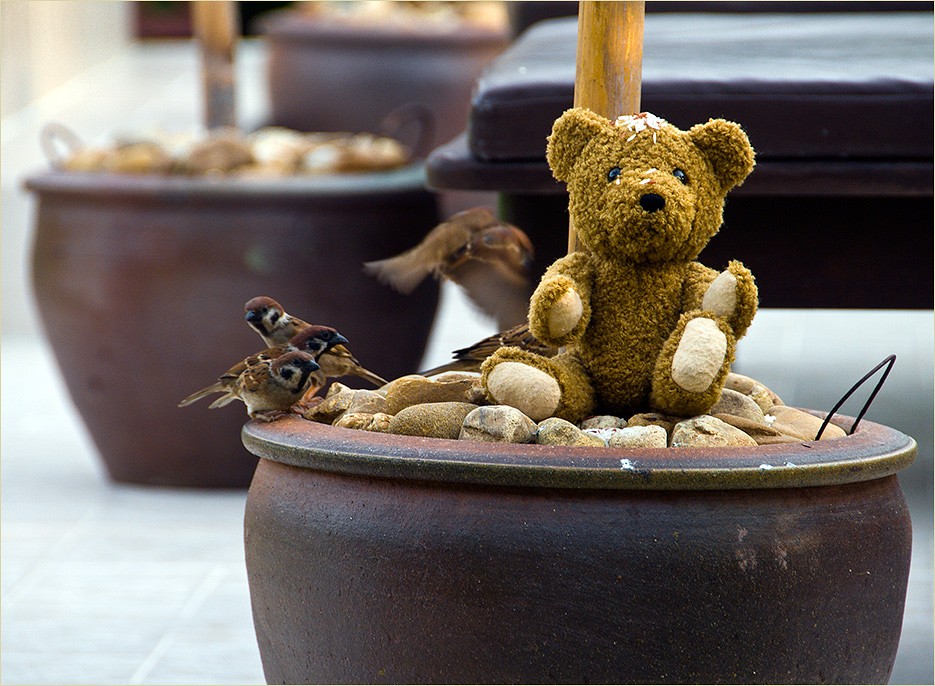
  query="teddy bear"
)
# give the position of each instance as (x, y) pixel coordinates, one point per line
(642, 326)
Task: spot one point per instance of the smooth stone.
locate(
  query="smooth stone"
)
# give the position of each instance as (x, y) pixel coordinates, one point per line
(367, 401)
(431, 420)
(354, 420)
(498, 423)
(456, 376)
(557, 431)
(365, 421)
(802, 425)
(653, 419)
(760, 432)
(417, 390)
(708, 431)
(737, 404)
(336, 402)
(752, 388)
(649, 436)
(379, 422)
(475, 394)
(603, 421)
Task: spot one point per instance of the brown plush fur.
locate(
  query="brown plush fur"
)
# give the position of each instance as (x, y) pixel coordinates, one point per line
(635, 274)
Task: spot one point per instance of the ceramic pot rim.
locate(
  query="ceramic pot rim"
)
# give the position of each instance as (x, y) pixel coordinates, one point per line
(162, 187)
(290, 26)
(872, 452)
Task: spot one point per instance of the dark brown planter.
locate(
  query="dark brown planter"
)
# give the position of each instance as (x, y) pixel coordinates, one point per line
(387, 559)
(325, 76)
(141, 281)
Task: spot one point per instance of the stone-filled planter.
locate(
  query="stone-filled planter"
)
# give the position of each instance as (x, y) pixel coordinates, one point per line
(375, 558)
(141, 281)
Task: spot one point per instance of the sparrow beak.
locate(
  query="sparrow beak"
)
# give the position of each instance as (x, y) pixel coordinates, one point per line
(339, 339)
(253, 316)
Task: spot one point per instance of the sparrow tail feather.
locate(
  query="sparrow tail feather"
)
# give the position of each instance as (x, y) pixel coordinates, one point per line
(203, 393)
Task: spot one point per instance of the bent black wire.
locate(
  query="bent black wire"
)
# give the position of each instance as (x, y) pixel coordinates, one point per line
(889, 361)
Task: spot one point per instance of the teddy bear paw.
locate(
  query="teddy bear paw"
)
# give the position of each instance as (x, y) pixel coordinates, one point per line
(721, 296)
(700, 355)
(530, 390)
(565, 313)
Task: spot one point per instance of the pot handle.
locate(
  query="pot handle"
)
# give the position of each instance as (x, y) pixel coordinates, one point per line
(411, 113)
(53, 138)
(888, 363)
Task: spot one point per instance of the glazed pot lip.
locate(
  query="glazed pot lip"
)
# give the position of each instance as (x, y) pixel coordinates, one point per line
(296, 28)
(410, 178)
(873, 451)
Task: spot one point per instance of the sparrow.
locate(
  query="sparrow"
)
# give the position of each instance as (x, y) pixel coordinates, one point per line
(275, 326)
(489, 259)
(469, 359)
(269, 387)
(311, 341)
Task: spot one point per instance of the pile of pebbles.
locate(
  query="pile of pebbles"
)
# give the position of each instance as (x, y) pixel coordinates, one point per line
(454, 406)
(270, 152)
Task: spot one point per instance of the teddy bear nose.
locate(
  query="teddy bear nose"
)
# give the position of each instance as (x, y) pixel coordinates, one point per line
(652, 202)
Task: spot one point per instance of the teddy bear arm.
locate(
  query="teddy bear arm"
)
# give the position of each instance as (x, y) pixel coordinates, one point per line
(697, 280)
(559, 309)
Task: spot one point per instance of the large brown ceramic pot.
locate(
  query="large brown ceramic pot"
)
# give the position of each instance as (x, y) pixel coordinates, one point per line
(328, 76)
(141, 282)
(388, 559)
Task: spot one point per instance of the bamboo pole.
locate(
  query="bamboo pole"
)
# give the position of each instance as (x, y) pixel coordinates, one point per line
(608, 63)
(214, 23)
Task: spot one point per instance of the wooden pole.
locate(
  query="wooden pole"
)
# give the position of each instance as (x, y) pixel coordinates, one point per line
(214, 23)
(609, 63)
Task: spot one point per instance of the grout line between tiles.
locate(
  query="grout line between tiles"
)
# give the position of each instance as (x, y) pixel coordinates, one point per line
(188, 611)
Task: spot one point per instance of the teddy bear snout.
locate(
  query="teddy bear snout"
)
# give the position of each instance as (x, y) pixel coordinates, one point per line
(651, 202)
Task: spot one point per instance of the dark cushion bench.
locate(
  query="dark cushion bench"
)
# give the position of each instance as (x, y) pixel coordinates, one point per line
(839, 107)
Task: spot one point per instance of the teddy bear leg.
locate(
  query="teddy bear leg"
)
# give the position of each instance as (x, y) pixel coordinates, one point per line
(692, 366)
(539, 387)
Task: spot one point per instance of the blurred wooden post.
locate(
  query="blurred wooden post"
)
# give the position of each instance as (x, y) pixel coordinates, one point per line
(215, 28)
(609, 63)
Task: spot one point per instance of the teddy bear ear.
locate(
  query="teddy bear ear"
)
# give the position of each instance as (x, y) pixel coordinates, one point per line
(570, 133)
(727, 148)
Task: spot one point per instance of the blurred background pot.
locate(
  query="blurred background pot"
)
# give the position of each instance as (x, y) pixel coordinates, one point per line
(328, 75)
(375, 558)
(141, 280)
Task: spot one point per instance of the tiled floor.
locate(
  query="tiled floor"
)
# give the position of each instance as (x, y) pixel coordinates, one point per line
(113, 584)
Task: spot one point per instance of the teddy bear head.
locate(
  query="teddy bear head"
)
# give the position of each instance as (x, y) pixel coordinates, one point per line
(642, 190)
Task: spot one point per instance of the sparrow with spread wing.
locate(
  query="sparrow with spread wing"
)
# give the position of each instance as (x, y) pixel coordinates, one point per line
(275, 326)
(311, 341)
(469, 359)
(489, 259)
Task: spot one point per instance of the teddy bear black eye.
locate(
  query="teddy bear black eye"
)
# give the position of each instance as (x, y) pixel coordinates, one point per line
(613, 174)
(681, 176)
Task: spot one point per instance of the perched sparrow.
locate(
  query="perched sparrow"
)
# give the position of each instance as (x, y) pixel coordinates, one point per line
(487, 258)
(470, 359)
(268, 318)
(311, 341)
(268, 387)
